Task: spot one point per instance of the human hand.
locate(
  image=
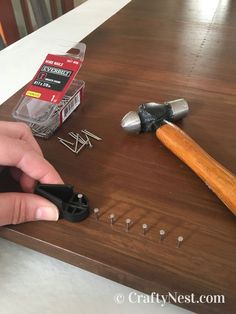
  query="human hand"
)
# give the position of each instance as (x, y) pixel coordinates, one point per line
(21, 152)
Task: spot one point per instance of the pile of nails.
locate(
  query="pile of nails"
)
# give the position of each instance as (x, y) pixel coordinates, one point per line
(80, 141)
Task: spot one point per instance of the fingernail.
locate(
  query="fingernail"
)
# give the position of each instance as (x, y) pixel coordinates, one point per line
(47, 213)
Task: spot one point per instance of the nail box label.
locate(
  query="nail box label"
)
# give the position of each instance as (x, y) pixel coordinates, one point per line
(53, 78)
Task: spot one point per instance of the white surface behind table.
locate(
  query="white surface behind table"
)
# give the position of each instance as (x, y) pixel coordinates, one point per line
(20, 61)
(31, 282)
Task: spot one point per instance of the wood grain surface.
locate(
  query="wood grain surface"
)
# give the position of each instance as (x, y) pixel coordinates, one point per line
(150, 51)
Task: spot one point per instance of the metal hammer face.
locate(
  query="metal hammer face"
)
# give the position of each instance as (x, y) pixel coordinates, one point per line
(151, 116)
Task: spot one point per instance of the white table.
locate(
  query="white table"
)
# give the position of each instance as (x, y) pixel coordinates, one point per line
(31, 282)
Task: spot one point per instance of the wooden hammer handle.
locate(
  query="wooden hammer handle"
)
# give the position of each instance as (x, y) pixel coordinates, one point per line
(220, 180)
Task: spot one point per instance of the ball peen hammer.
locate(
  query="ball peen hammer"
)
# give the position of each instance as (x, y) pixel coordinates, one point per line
(159, 117)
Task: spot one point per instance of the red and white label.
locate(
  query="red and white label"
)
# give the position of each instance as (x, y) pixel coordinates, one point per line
(53, 78)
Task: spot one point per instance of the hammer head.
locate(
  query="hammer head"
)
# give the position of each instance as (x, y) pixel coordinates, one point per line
(151, 116)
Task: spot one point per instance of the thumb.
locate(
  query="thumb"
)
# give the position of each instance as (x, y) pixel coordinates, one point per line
(16, 208)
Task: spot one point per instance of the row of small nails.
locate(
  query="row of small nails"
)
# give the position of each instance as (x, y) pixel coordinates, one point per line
(79, 140)
(128, 223)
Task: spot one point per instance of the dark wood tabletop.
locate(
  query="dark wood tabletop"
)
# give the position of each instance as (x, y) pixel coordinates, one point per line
(150, 51)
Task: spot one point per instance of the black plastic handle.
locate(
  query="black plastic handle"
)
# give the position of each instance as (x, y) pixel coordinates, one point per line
(71, 207)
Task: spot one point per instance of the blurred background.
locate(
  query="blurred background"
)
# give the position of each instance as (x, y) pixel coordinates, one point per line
(19, 18)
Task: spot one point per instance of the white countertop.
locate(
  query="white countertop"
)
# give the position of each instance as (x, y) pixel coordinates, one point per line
(31, 282)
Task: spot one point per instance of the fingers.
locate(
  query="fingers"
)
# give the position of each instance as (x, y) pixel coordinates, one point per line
(21, 207)
(18, 153)
(26, 182)
(15, 173)
(20, 150)
(21, 131)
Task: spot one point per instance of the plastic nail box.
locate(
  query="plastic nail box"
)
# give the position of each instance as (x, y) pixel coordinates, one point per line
(53, 94)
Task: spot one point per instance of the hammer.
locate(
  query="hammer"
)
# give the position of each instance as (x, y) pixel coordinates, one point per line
(159, 117)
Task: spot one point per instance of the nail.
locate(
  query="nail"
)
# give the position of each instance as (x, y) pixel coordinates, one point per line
(76, 143)
(80, 197)
(127, 223)
(91, 135)
(162, 235)
(81, 147)
(112, 218)
(73, 135)
(67, 146)
(82, 140)
(47, 213)
(145, 228)
(68, 142)
(180, 239)
(96, 213)
(88, 140)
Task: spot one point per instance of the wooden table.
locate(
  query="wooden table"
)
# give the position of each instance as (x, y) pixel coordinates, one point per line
(150, 51)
